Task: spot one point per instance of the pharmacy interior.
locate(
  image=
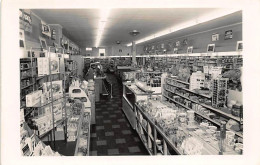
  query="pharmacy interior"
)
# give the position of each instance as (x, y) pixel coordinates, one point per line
(131, 82)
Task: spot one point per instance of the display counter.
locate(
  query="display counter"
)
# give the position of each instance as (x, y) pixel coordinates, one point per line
(131, 94)
(167, 131)
(121, 69)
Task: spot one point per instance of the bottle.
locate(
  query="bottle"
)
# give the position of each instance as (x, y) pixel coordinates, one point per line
(222, 137)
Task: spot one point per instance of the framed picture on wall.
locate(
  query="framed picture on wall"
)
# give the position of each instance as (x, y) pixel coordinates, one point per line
(175, 50)
(211, 48)
(178, 43)
(46, 29)
(239, 46)
(190, 49)
(228, 34)
(215, 37)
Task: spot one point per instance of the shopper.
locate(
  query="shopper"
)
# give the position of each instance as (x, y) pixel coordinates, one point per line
(90, 74)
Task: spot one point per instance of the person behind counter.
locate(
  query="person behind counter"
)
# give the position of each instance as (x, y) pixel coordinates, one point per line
(90, 74)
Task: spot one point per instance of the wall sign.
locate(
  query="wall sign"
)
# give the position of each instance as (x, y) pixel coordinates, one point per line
(25, 21)
(228, 34)
(215, 37)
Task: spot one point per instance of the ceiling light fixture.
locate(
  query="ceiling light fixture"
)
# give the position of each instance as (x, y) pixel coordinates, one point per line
(202, 19)
(104, 13)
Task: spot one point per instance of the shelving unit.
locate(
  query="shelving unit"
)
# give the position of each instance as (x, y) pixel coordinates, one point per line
(36, 83)
(218, 111)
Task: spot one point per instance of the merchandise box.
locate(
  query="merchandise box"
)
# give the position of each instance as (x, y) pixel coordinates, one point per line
(33, 99)
(57, 89)
(57, 110)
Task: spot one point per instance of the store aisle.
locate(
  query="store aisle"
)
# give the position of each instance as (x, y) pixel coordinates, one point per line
(112, 134)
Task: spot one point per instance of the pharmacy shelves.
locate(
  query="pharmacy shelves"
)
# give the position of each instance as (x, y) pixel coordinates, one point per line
(188, 90)
(209, 107)
(202, 115)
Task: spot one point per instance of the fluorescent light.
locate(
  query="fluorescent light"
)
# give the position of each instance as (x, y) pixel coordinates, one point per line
(88, 49)
(204, 18)
(104, 13)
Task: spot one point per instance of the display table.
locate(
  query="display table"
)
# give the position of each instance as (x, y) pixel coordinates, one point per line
(131, 94)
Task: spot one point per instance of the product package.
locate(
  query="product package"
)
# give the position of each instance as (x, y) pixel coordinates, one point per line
(34, 99)
(54, 65)
(57, 89)
(43, 66)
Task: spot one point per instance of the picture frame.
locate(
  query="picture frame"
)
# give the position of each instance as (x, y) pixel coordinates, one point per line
(215, 37)
(190, 49)
(239, 46)
(228, 34)
(46, 30)
(178, 43)
(43, 43)
(211, 48)
(175, 50)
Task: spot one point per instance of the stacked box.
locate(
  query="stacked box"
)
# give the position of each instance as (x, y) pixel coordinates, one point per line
(219, 92)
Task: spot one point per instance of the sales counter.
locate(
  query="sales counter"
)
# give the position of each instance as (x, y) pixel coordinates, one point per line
(161, 130)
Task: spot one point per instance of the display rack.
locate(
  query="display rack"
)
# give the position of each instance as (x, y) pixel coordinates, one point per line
(38, 78)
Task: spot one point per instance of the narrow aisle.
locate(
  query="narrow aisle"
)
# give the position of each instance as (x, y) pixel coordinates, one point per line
(112, 134)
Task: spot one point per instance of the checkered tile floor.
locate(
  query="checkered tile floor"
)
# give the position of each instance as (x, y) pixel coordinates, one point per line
(112, 134)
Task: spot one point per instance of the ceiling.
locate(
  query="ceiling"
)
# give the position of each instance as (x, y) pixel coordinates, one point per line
(81, 25)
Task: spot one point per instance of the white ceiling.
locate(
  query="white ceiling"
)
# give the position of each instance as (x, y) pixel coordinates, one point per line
(81, 24)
